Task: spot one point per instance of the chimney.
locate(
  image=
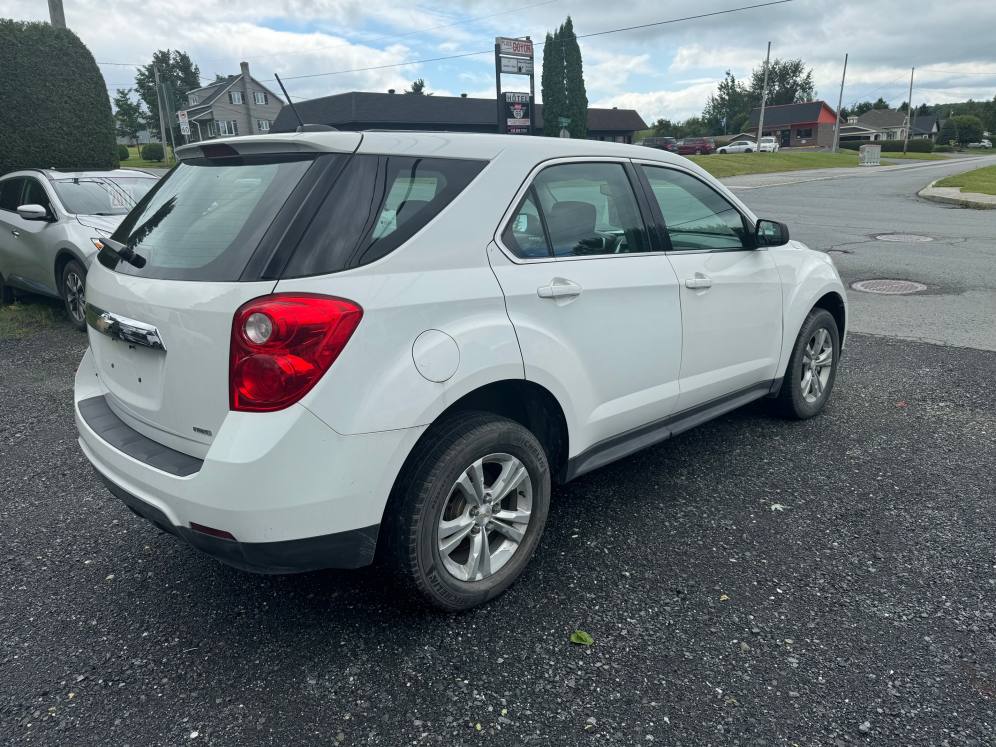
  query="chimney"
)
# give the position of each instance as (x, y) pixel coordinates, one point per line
(463, 95)
(390, 90)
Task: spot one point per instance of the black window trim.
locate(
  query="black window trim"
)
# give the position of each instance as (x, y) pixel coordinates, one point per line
(659, 216)
(527, 187)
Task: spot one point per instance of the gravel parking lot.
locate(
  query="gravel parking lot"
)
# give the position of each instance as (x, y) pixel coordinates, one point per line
(750, 582)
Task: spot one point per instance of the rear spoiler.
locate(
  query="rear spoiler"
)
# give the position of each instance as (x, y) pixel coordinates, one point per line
(254, 145)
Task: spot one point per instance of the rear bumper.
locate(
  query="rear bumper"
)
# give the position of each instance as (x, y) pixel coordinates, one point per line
(351, 549)
(293, 494)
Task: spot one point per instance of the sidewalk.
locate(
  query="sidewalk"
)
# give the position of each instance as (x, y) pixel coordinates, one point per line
(954, 196)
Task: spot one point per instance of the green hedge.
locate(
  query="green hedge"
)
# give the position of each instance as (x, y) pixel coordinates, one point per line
(123, 153)
(893, 146)
(55, 111)
(152, 152)
(943, 149)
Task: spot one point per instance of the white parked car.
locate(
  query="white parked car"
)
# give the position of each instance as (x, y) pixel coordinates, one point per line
(306, 349)
(985, 144)
(767, 144)
(738, 146)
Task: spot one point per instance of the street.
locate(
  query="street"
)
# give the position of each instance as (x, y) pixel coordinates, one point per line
(752, 581)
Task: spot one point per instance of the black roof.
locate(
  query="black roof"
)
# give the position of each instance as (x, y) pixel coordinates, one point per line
(789, 114)
(427, 112)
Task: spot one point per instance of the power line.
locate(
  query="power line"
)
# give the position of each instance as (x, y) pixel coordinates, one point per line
(695, 17)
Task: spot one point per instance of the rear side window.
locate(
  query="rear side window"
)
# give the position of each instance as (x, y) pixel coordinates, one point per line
(205, 220)
(375, 206)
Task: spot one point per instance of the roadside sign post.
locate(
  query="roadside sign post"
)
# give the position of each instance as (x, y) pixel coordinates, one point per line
(515, 110)
(184, 124)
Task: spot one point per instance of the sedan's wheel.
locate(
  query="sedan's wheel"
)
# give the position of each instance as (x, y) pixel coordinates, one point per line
(74, 293)
(468, 512)
(812, 368)
(698, 152)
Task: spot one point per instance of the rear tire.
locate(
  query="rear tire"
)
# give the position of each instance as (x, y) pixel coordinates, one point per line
(448, 538)
(698, 152)
(74, 293)
(6, 293)
(811, 369)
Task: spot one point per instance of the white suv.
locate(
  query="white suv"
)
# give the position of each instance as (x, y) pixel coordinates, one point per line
(310, 349)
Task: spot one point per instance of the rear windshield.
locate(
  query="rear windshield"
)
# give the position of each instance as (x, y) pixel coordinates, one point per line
(376, 205)
(206, 218)
(102, 195)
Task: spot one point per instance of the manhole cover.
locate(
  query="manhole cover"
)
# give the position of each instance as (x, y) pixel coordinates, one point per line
(889, 287)
(905, 238)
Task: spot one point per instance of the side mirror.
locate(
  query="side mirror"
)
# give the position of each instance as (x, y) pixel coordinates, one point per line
(771, 233)
(32, 212)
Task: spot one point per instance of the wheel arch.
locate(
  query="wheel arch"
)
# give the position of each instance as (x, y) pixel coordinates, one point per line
(834, 303)
(62, 258)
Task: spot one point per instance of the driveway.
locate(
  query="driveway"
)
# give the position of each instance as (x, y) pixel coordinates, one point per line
(753, 581)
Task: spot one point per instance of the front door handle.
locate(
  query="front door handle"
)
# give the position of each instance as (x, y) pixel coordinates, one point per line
(15, 233)
(698, 282)
(559, 288)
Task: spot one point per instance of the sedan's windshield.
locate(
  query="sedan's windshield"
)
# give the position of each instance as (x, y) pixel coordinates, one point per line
(101, 195)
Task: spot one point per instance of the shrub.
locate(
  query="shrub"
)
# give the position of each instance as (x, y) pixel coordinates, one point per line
(55, 111)
(123, 154)
(152, 152)
(943, 149)
(893, 146)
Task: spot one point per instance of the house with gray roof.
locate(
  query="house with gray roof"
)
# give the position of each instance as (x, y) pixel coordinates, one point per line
(360, 110)
(237, 105)
(889, 124)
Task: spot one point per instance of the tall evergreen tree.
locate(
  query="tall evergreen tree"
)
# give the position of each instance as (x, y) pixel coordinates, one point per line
(575, 94)
(128, 116)
(552, 84)
(179, 74)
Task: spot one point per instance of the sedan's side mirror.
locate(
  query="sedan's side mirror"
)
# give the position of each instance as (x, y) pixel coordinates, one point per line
(771, 233)
(32, 212)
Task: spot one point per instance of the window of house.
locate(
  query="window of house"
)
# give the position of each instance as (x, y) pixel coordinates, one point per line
(228, 127)
(804, 132)
(696, 216)
(263, 125)
(211, 130)
(260, 97)
(235, 97)
(192, 99)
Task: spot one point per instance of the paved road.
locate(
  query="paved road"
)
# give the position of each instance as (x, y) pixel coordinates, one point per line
(752, 581)
(843, 212)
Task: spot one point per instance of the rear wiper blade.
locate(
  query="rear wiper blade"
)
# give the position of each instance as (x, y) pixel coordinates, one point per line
(123, 251)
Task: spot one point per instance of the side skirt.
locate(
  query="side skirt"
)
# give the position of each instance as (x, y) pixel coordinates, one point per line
(624, 444)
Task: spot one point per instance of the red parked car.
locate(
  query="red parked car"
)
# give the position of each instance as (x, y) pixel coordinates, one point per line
(696, 146)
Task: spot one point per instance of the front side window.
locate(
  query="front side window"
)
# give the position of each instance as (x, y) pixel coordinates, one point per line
(235, 97)
(10, 193)
(590, 209)
(375, 206)
(697, 217)
(35, 194)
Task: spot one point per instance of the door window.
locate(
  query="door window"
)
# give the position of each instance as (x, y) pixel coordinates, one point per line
(697, 217)
(588, 209)
(10, 193)
(35, 195)
(524, 235)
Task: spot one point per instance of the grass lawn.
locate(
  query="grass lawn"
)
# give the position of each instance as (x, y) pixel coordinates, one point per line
(135, 160)
(21, 319)
(737, 164)
(980, 181)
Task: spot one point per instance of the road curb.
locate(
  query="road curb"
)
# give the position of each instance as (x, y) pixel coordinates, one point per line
(954, 196)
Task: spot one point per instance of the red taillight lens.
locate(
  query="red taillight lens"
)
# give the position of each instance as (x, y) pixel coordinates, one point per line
(283, 344)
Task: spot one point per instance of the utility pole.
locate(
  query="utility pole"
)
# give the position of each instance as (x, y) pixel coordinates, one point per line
(162, 122)
(909, 112)
(840, 102)
(764, 97)
(57, 14)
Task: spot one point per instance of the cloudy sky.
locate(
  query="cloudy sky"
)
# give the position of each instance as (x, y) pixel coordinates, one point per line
(664, 70)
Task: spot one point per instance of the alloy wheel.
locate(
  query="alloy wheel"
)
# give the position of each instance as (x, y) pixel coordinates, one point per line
(485, 517)
(817, 364)
(76, 296)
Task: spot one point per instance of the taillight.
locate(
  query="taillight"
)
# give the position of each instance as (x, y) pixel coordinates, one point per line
(283, 344)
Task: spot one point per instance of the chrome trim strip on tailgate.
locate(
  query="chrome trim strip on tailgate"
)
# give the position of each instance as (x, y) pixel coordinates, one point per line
(123, 328)
(98, 415)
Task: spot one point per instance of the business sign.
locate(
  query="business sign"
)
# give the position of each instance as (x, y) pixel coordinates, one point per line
(515, 47)
(517, 113)
(517, 65)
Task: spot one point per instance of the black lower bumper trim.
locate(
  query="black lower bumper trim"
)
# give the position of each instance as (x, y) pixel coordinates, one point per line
(352, 549)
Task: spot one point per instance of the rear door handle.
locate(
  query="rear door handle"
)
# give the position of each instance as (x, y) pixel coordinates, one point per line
(559, 288)
(698, 282)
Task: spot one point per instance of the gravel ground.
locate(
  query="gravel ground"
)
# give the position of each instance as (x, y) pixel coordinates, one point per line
(751, 582)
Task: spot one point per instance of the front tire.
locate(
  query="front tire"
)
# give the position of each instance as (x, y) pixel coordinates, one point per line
(468, 512)
(74, 293)
(812, 369)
